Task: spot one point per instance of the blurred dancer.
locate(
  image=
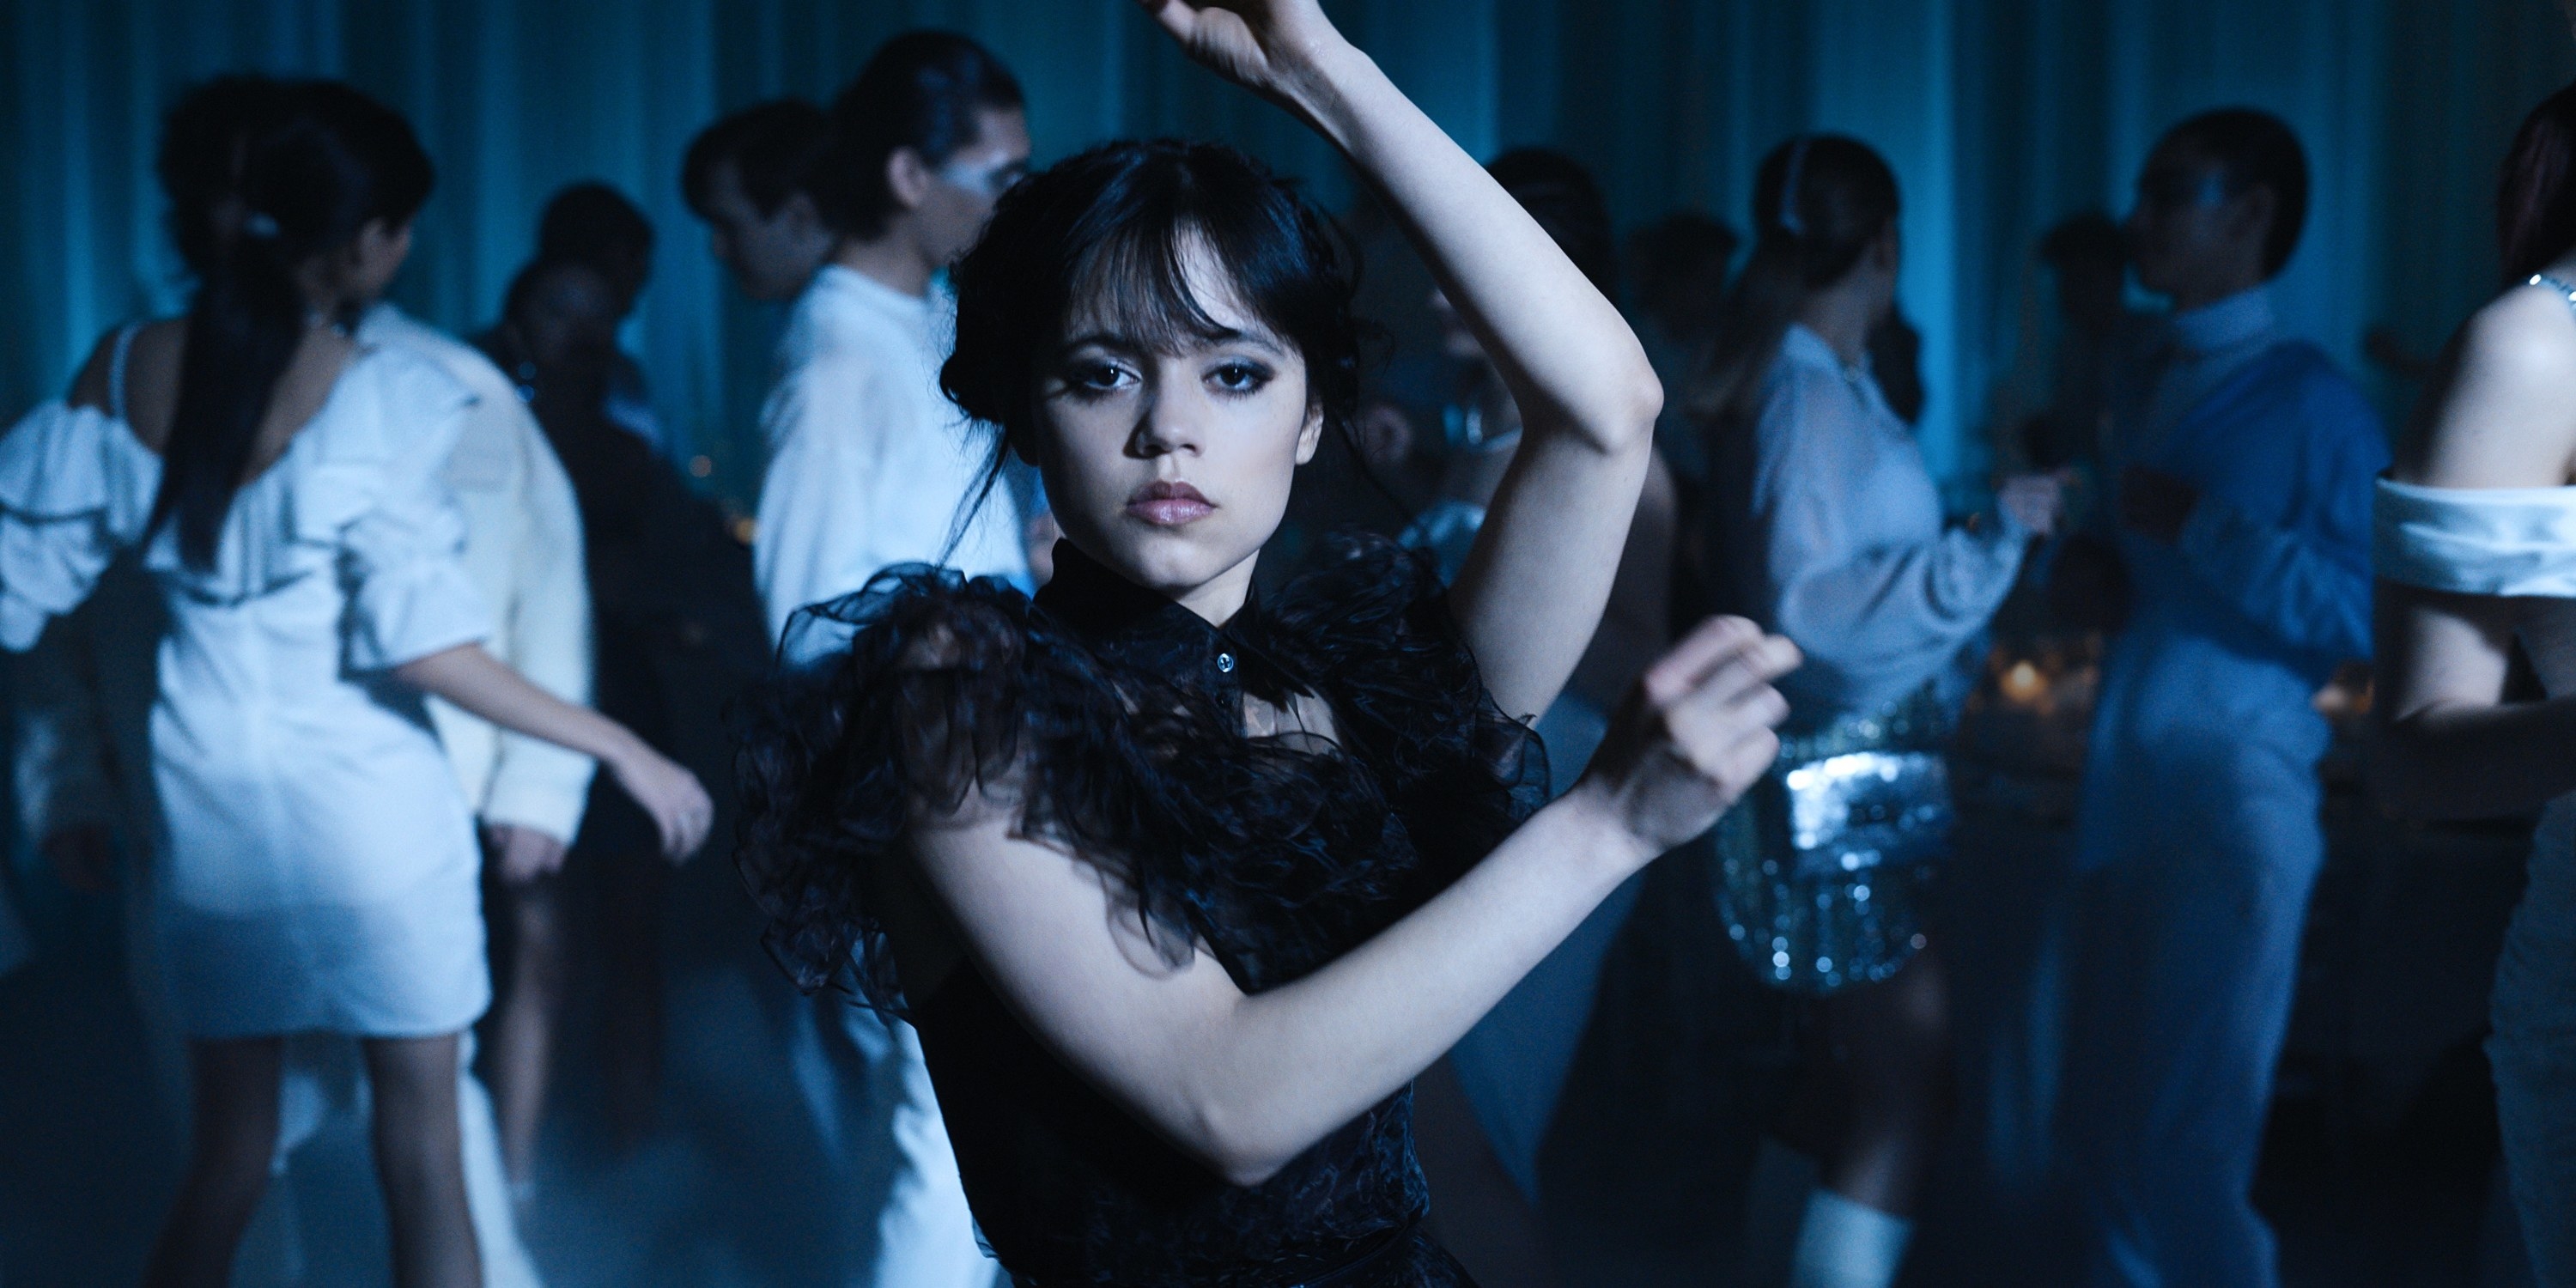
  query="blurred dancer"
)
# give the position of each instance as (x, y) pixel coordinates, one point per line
(1677, 276)
(748, 177)
(871, 466)
(594, 224)
(319, 865)
(678, 631)
(1503, 1079)
(84, 692)
(2245, 462)
(1828, 528)
(2476, 551)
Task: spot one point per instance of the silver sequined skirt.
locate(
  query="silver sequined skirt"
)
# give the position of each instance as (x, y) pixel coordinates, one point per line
(1824, 866)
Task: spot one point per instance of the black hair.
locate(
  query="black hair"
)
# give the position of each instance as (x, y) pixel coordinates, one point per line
(2255, 149)
(2536, 200)
(331, 162)
(1561, 195)
(199, 159)
(2090, 237)
(1819, 202)
(921, 91)
(1107, 231)
(773, 148)
(592, 223)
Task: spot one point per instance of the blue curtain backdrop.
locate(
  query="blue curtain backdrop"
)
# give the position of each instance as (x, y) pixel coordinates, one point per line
(2001, 116)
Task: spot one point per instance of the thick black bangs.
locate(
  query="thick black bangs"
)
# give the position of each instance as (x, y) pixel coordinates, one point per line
(1134, 287)
(1104, 241)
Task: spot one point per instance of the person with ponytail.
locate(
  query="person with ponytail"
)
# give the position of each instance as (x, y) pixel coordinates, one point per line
(1826, 526)
(317, 864)
(2475, 546)
(2244, 459)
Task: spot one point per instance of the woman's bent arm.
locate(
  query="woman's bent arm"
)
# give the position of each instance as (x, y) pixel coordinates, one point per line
(1246, 1082)
(1533, 587)
(481, 685)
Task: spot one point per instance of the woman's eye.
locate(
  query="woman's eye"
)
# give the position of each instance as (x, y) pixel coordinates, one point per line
(1240, 377)
(1095, 377)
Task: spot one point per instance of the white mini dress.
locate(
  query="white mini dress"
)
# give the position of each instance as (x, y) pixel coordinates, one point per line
(318, 867)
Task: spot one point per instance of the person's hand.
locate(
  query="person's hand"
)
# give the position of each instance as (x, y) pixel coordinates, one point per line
(1693, 735)
(83, 857)
(2035, 501)
(1272, 47)
(2155, 504)
(522, 854)
(671, 796)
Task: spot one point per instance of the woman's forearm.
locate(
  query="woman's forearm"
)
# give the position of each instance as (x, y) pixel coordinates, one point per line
(1290, 1065)
(480, 685)
(1567, 355)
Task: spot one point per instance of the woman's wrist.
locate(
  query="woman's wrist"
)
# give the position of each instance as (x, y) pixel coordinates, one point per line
(1328, 84)
(1600, 829)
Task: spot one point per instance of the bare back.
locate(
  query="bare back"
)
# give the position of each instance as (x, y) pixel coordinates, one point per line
(149, 400)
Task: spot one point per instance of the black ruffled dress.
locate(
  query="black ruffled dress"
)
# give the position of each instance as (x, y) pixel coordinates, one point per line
(1117, 714)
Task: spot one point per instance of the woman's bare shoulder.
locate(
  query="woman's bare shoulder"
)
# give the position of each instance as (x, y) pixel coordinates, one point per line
(151, 376)
(2498, 414)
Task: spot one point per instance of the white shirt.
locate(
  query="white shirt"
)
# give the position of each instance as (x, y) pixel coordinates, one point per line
(523, 550)
(1848, 553)
(870, 465)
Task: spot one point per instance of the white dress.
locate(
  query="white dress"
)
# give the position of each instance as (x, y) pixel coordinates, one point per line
(320, 862)
(2519, 543)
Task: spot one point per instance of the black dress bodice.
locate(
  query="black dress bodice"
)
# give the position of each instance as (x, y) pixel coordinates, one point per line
(1118, 715)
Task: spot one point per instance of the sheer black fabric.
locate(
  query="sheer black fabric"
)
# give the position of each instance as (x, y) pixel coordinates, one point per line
(1114, 718)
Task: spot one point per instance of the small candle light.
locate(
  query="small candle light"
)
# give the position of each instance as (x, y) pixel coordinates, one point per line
(2022, 684)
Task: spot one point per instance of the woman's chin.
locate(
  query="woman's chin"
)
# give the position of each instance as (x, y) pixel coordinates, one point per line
(1172, 560)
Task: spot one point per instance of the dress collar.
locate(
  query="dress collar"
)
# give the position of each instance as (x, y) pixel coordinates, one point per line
(1146, 628)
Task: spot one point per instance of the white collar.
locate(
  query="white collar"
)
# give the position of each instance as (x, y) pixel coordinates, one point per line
(2240, 318)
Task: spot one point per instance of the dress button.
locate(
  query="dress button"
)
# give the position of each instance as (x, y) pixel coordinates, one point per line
(1225, 663)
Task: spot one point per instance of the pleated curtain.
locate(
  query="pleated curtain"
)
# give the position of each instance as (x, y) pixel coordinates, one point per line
(2000, 115)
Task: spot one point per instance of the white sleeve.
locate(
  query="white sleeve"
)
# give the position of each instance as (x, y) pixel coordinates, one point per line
(819, 532)
(536, 784)
(75, 487)
(1875, 616)
(402, 557)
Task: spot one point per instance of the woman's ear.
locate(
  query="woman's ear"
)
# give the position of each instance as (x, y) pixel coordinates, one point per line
(1310, 435)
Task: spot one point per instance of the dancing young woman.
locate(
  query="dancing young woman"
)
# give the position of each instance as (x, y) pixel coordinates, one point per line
(1183, 886)
(2475, 547)
(319, 868)
(1828, 528)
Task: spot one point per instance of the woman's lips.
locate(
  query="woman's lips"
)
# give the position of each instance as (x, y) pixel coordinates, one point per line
(1169, 504)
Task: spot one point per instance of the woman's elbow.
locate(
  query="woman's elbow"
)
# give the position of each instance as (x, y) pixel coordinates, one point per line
(1233, 1144)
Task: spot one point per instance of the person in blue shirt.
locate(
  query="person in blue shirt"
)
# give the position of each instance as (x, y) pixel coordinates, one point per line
(2245, 461)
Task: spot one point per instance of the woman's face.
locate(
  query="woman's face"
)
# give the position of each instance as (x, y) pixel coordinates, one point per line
(1174, 468)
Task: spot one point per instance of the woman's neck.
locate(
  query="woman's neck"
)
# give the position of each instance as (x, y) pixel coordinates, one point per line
(1842, 317)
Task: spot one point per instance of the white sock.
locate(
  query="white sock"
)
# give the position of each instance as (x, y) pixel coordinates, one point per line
(1842, 1244)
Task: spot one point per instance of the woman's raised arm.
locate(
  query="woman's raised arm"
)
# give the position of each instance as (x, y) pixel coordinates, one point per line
(1533, 588)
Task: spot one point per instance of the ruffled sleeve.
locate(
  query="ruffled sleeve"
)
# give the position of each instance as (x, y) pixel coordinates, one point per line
(1275, 854)
(379, 486)
(75, 487)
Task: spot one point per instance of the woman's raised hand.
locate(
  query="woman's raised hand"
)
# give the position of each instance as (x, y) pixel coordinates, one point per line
(1271, 47)
(1693, 735)
(673, 797)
